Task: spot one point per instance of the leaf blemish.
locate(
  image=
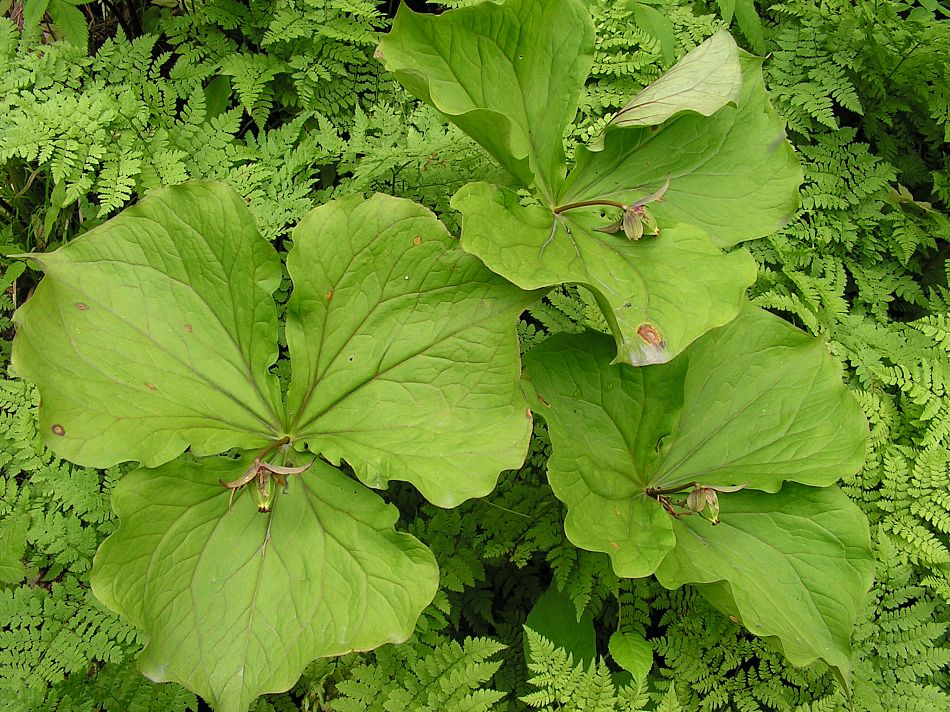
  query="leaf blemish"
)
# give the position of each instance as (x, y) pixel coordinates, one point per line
(151, 386)
(58, 430)
(417, 241)
(188, 328)
(81, 306)
(329, 294)
(648, 333)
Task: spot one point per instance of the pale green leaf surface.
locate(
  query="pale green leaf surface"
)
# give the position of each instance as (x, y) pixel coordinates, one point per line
(404, 351)
(236, 604)
(554, 617)
(726, 9)
(753, 403)
(793, 567)
(33, 13)
(13, 533)
(155, 332)
(507, 74)
(763, 404)
(704, 81)
(733, 174)
(633, 653)
(747, 16)
(604, 448)
(675, 286)
(658, 25)
(70, 22)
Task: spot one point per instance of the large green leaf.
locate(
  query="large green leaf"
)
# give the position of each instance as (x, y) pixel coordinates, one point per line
(733, 174)
(507, 74)
(236, 603)
(793, 567)
(404, 353)
(155, 332)
(763, 404)
(754, 403)
(704, 81)
(658, 294)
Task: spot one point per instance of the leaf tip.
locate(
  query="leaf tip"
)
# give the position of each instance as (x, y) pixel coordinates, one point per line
(650, 347)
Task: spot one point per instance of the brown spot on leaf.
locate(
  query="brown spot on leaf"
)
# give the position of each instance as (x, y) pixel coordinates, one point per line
(378, 54)
(58, 430)
(81, 306)
(543, 402)
(329, 294)
(648, 333)
(733, 619)
(417, 241)
(150, 386)
(188, 328)
(615, 545)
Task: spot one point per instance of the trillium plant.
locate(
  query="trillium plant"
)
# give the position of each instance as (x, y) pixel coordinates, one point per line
(157, 332)
(699, 442)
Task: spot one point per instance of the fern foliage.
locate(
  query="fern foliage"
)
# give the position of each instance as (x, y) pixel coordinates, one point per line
(449, 676)
(879, 65)
(563, 685)
(53, 632)
(290, 55)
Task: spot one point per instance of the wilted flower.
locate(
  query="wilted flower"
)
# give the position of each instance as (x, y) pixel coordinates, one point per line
(636, 221)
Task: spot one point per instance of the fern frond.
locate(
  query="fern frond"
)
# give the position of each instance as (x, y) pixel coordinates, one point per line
(562, 684)
(449, 677)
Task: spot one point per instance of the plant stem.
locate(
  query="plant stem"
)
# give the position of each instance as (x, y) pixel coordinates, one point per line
(505, 509)
(588, 203)
(654, 492)
(273, 446)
